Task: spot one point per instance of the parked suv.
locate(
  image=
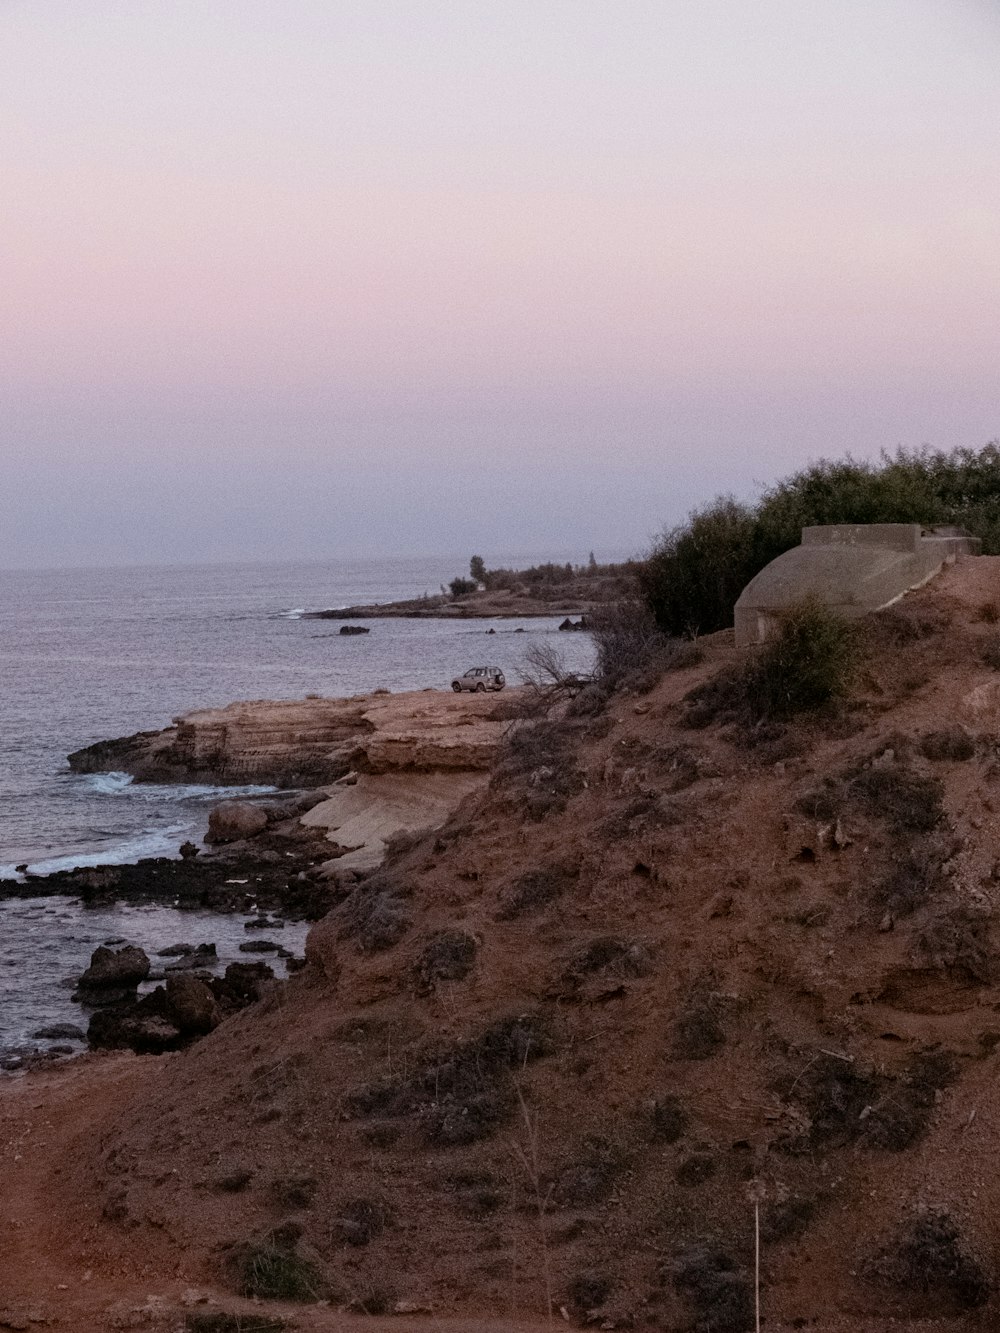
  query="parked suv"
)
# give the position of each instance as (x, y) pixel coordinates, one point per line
(479, 680)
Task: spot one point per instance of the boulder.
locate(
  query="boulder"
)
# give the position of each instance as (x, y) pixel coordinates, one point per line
(243, 983)
(195, 959)
(354, 629)
(133, 1028)
(115, 968)
(191, 1006)
(233, 820)
(59, 1032)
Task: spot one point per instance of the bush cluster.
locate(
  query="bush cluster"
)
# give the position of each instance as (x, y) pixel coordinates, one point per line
(695, 573)
(808, 664)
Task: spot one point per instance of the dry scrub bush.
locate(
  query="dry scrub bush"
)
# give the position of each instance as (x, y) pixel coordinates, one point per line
(589, 1178)
(667, 1119)
(698, 1033)
(272, 1270)
(786, 1219)
(221, 1321)
(632, 652)
(721, 1294)
(918, 874)
(958, 940)
(536, 766)
(588, 1291)
(905, 624)
(360, 1221)
(375, 914)
(844, 1103)
(808, 665)
(535, 889)
(610, 955)
(908, 801)
(447, 956)
(462, 1092)
(990, 652)
(930, 1258)
(950, 743)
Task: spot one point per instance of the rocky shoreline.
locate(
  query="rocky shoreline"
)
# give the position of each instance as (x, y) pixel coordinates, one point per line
(392, 764)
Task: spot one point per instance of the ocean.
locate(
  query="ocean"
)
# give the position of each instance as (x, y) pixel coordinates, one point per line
(86, 655)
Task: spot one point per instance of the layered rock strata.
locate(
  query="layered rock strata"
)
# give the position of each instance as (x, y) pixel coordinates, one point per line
(307, 742)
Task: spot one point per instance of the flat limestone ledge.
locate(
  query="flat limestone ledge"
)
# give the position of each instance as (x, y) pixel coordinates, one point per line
(361, 815)
(309, 742)
(851, 568)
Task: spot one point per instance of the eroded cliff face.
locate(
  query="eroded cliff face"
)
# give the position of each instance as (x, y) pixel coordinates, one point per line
(308, 742)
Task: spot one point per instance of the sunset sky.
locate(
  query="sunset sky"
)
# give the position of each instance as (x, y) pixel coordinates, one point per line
(311, 278)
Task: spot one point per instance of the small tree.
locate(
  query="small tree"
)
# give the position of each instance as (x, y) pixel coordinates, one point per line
(459, 587)
(477, 568)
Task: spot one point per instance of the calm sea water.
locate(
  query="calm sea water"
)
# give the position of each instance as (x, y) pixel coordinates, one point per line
(86, 655)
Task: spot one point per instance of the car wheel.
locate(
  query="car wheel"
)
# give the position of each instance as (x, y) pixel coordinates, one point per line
(456, 687)
(480, 688)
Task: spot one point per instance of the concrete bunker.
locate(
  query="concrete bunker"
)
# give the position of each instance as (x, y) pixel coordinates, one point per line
(852, 568)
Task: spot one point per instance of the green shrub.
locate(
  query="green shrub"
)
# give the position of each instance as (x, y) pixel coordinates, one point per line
(459, 587)
(808, 664)
(695, 573)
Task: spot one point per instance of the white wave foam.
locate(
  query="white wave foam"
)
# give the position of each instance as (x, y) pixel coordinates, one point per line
(108, 783)
(296, 613)
(162, 842)
(115, 784)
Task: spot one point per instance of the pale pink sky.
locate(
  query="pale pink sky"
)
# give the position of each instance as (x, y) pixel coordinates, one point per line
(322, 278)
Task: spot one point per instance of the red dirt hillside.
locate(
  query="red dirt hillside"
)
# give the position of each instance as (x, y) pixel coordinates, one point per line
(669, 964)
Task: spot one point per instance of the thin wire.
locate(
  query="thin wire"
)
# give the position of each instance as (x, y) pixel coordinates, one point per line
(756, 1279)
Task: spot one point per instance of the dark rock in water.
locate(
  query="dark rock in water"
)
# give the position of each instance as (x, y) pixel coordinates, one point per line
(574, 624)
(110, 756)
(175, 951)
(59, 1032)
(115, 940)
(204, 881)
(188, 850)
(191, 1006)
(232, 821)
(264, 923)
(134, 1027)
(115, 968)
(242, 983)
(259, 946)
(354, 629)
(103, 997)
(204, 956)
